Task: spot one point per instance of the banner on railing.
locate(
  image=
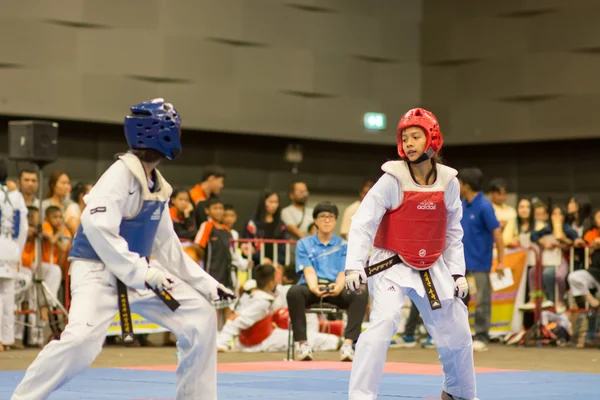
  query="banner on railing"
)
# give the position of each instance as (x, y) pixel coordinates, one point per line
(140, 326)
(506, 317)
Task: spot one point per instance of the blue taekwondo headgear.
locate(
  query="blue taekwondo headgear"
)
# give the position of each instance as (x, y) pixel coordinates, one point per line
(154, 125)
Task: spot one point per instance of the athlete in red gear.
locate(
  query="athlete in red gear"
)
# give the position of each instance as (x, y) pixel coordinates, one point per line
(412, 218)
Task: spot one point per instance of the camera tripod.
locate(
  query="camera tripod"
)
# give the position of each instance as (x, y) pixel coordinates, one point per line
(39, 294)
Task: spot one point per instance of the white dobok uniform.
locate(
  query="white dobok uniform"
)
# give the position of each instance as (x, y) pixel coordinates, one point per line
(13, 235)
(122, 194)
(256, 309)
(449, 325)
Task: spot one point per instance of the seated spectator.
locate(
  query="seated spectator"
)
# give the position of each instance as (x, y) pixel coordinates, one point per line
(184, 223)
(320, 259)
(554, 238)
(267, 224)
(582, 281)
(253, 321)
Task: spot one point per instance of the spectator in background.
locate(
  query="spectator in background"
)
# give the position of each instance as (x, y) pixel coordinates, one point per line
(57, 238)
(229, 220)
(184, 223)
(481, 231)
(267, 224)
(505, 214)
(579, 217)
(351, 209)
(29, 184)
(50, 273)
(320, 259)
(73, 211)
(554, 239)
(523, 226)
(59, 188)
(583, 281)
(297, 217)
(213, 239)
(213, 180)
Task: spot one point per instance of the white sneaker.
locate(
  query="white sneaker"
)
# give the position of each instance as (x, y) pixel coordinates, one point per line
(547, 304)
(304, 353)
(346, 352)
(527, 306)
(479, 345)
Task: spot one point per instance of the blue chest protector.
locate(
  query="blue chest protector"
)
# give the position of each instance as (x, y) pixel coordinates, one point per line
(16, 217)
(139, 232)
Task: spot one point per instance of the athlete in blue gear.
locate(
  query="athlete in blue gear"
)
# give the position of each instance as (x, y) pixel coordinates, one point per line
(125, 221)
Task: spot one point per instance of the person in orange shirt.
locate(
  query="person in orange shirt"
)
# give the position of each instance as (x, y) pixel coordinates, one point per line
(216, 251)
(57, 238)
(50, 273)
(210, 186)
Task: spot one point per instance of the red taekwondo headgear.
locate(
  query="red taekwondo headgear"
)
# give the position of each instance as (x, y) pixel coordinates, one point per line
(426, 121)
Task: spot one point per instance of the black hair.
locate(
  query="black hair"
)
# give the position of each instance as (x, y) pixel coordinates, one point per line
(497, 184)
(212, 201)
(212, 170)
(229, 207)
(325, 206)
(32, 209)
(293, 185)
(51, 210)
(78, 190)
(26, 171)
(472, 177)
(290, 273)
(263, 275)
(261, 210)
(584, 213)
(148, 155)
(530, 220)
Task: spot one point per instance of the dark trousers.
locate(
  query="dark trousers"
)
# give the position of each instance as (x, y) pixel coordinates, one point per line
(483, 310)
(412, 321)
(299, 297)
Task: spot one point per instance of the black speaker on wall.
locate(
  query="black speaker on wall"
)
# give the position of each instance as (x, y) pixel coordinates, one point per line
(34, 141)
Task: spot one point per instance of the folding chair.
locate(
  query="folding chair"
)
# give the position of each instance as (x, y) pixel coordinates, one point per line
(320, 308)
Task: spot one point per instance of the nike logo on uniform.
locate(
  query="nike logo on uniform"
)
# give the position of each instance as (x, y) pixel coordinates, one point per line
(133, 192)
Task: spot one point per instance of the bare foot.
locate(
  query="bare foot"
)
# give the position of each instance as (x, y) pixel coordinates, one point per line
(1, 348)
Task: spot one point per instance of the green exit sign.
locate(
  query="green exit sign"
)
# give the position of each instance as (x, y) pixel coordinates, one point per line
(374, 121)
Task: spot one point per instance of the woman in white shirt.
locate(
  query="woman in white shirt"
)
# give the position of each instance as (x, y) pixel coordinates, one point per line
(74, 209)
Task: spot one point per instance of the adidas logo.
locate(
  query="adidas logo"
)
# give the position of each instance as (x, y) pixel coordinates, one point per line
(391, 289)
(155, 215)
(426, 205)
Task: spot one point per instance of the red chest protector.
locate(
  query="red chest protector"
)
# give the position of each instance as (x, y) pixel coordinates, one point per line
(416, 230)
(257, 332)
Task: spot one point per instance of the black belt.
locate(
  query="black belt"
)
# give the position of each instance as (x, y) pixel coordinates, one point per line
(125, 310)
(430, 291)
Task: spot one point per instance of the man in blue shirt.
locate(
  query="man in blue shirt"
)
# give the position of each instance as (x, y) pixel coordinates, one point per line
(481, 231)
(320, 259)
